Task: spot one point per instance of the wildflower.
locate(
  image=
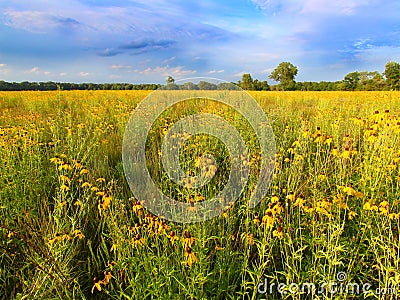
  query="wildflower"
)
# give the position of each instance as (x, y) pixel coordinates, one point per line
(86, 184)
(84, 171)
(346, 153)
(256, 220)
(191, 258)
(328, 140)
(278, 233)
(105, 281)
(137, 207)
(105, 202)
(188, 240)
(369, 206)
(384, 207)
(268, 220)
(299, 202)
(290, 196)
(352, 215)
(54, 160)
(218, 248)
(274, 198)
(64, 188)
(65, 167)
(138, 241)
(349, 191)
(101, 179)
(335, 151)
(65, 178)
(172, 237)
(78, 234)
(278, 208)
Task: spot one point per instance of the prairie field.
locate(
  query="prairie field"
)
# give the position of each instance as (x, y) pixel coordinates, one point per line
(70, 227)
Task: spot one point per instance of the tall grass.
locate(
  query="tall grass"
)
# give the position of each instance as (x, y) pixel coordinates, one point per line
(70, 228)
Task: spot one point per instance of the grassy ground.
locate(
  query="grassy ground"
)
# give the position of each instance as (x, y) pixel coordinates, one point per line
(70, 228)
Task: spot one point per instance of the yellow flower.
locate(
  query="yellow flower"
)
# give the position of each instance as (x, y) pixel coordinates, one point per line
(352, 215)
(191, 258)
(84, 171)
(172, 237)
(268, 220)
(101, 179)
(65, 178)
(187, 240)
(335, 151)
(384, 207)
(278, 233)
(299, 202)
(274, 198)
(86, 184)
(291, 196)
(64, 188)
(78, 234)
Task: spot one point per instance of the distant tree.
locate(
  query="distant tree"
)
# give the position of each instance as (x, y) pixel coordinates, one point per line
(351, 80)
(247, 82)
(392, 74)
(189, 86)
(285, 73)
(170, 80)
(260, 85)
(204, 85)
(371, 81)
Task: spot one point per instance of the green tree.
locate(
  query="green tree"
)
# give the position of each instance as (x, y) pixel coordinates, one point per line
(392, 74)
(247, 82)
(170, 80)
(351, 80)
(285, 73)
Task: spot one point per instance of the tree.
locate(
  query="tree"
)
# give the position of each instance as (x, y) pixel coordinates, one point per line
(392, 74)
(247, 82)
(285, 73)
(351, 81)
(204, 85)
(170, 80)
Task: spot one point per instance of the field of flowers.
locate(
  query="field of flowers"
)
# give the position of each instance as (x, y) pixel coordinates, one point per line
(70, 228)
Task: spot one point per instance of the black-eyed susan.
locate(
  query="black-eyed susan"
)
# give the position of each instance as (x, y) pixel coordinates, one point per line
(278, 232)
(187, 240)
(173, 237)
(191, 257)
(268, 220)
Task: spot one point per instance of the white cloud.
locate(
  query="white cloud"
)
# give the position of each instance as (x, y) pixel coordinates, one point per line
(177, 72)
(62, 74)
(216, 71)
(2, 65)
(119, 67)
(47, 73)
(83, 74)
(34, 70)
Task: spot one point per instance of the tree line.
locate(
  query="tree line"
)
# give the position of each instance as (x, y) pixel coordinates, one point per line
(284, 74)
(53, 86)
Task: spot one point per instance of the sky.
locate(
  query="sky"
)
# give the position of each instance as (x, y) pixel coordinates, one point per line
(145, 41)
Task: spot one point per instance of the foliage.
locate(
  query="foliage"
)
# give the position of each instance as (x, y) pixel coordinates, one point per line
(285, 73)
(392, 74)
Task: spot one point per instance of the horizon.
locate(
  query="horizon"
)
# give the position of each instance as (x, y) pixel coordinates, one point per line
(137, 42)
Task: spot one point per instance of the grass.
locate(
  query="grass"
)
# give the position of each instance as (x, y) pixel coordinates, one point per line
(70, 228)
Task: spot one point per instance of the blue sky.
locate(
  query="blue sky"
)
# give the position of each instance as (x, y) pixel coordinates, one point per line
(146, 41)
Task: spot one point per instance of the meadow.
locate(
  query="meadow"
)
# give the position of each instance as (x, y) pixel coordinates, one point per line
(71, 229)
